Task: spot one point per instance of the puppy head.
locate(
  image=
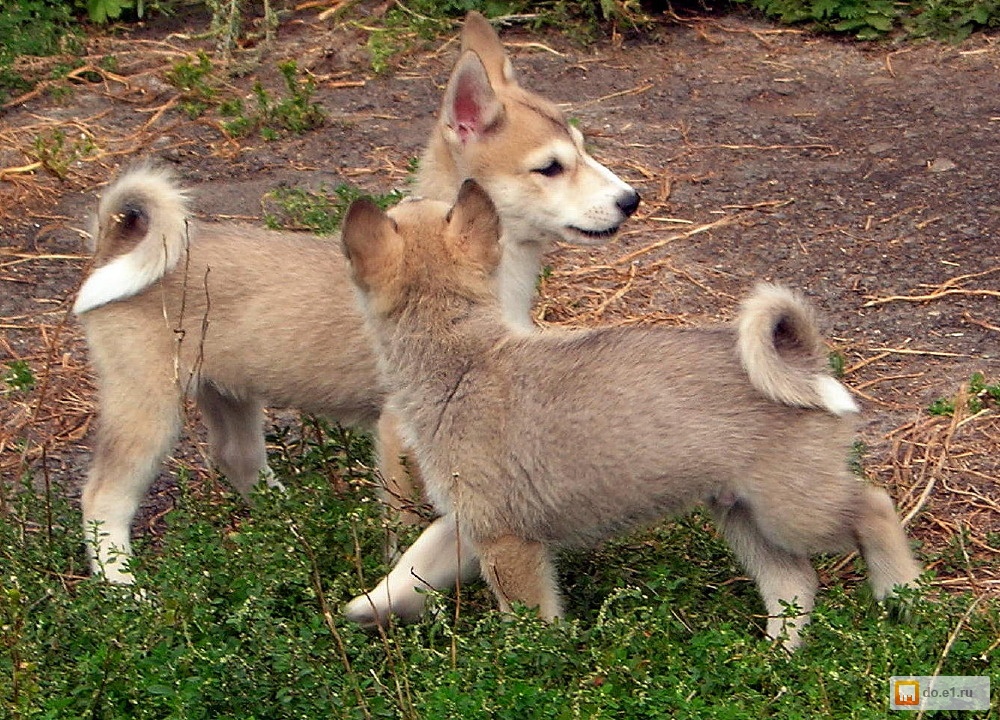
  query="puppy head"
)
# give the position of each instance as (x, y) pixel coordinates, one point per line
(423, 249)
(522, 149)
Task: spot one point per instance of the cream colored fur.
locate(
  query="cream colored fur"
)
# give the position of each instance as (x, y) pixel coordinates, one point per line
(240, 318)
(529, 442)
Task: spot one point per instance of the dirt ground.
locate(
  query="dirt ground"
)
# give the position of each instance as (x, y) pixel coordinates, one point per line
(868, 176)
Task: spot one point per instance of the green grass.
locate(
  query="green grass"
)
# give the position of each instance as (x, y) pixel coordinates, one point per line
(239, 618)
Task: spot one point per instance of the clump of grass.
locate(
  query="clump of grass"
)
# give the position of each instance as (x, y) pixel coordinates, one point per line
(413, 24)
(32, 28)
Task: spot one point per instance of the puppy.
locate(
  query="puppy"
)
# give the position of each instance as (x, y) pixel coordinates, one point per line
(239, 318)
(533, 441)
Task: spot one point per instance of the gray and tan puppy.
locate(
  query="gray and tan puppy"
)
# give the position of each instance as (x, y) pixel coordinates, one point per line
(535, 441)
(239, 318)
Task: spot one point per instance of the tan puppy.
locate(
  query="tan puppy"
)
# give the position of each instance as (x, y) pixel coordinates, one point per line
(239, 318)
(541, 440)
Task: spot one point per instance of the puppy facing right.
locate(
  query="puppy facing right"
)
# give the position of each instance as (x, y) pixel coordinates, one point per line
(532, 441)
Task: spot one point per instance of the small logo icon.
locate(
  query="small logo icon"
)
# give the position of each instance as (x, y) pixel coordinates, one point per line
(907, 693)
(939, 692)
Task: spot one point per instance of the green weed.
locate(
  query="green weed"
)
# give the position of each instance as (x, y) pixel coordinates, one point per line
(57, 151)
(319, 211)
(296, 112)
(837, 361)
(977, 396)
(194, 77)
(18, 377)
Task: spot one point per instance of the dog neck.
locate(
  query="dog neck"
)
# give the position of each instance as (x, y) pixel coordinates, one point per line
(523, 246)
(427, 342)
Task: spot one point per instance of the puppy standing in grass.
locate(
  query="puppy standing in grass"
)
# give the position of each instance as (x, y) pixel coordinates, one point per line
(240, 318)
(541, 440)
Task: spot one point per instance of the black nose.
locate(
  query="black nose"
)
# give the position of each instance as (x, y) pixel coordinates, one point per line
(628, 203)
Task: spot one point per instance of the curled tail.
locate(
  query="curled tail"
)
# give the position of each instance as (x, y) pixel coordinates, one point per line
(139, 234)
(782, 352)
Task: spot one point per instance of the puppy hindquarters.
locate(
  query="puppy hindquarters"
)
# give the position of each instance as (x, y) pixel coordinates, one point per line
(439, 557)
(236, 439)
(782, 578)
(883, 543)
(519, 570)
(136, 429)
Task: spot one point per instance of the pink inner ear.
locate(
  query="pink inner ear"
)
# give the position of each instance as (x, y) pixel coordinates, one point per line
(468, 113)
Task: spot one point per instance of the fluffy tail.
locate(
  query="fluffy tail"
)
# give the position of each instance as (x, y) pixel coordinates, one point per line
(783, 354)
(139, 234)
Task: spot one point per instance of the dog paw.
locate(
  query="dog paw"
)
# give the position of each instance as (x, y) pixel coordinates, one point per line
(363, 611)
(373, 609)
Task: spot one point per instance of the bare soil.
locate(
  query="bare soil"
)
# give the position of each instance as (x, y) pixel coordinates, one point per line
(868, 176)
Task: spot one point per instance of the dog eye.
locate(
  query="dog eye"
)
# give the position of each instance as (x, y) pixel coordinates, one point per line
(553, 169)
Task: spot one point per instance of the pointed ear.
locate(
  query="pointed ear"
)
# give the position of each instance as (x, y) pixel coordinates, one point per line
(370, 243)
(480, 37)
(470, 108)
(474, 226)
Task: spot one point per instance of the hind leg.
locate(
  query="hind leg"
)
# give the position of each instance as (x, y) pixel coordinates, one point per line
(519, 570)
(236, 439)
(883, 543)
(137, 427)
(782, 577)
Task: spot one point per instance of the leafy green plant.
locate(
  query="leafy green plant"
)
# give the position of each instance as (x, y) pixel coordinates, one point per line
(19, 376)
(57, 151)
(31, 27)
(194, 77)
(949, 20)
(102, 11)
(319, 211)
(978, 395)
(296, 112)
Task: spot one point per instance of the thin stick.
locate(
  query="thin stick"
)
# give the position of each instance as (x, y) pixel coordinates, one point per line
(721, 222)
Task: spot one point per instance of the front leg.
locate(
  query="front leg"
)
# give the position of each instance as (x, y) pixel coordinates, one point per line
(439, 557)
(401, 483)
